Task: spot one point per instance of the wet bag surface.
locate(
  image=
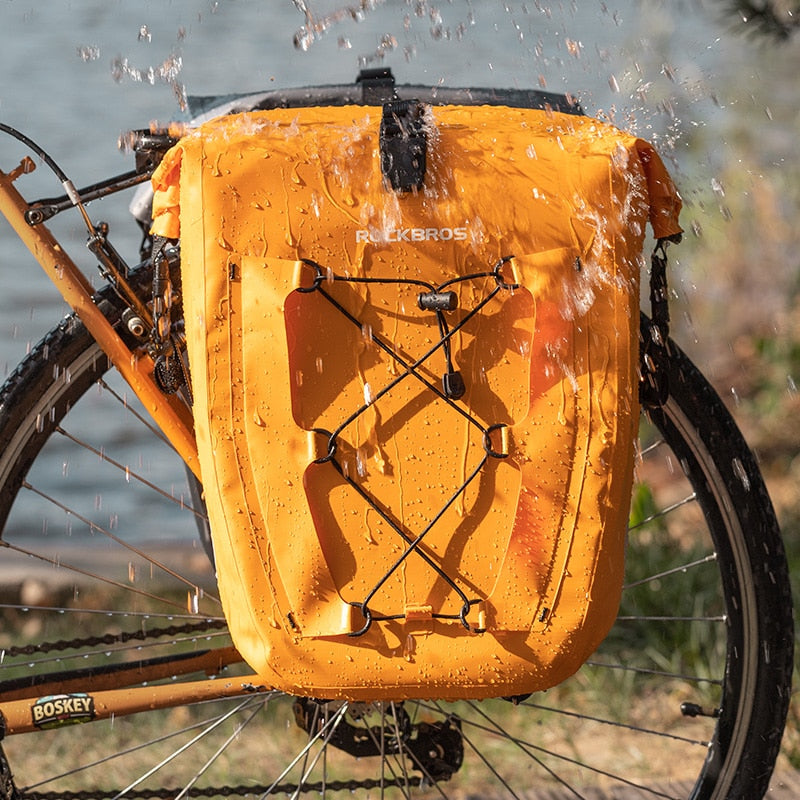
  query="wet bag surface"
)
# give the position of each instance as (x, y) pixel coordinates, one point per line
(415, 409)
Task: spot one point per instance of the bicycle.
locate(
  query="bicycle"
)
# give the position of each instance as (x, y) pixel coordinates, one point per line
(691, 685)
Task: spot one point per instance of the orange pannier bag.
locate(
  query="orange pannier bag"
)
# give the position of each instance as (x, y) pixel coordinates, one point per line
(415, 410)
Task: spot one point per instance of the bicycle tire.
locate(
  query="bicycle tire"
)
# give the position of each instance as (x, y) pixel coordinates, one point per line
(734, 703)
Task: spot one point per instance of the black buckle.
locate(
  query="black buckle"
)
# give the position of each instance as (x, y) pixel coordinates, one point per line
(403, 144)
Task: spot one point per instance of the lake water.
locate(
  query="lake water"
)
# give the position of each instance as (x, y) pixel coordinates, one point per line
(75, 75)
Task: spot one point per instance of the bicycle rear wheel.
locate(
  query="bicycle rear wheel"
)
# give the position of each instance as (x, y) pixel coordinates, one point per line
(102, 569)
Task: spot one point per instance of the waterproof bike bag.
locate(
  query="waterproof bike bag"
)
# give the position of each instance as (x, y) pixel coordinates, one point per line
(412, 335)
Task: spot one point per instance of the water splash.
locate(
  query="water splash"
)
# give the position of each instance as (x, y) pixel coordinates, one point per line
(167, 71)
(317, 26)
(88, 52)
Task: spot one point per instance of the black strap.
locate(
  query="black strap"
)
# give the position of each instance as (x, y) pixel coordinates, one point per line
(654, 379)
(403, 144)
(659, 291)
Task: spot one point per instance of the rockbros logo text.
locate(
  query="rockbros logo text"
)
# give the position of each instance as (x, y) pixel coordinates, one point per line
(62, 709)
(412, 235)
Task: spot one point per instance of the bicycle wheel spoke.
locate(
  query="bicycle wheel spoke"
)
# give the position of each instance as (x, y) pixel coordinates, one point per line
(219, 751)
(129, 473)
(611, 723)
(88, 574)
(124, 403)
(325, 730)
(663, 512)
(530, 749)
(123, 753)
(402, 781)
(207, 729)
(678, 570)
(666, 618)
(591, 662)
(94, 527)
(491, 768)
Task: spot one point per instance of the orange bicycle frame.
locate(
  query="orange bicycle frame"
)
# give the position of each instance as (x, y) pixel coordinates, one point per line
(174, 418)
(171, 415)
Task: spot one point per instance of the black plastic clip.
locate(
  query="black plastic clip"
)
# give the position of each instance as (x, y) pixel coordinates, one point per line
(453, 385)
(438, 301)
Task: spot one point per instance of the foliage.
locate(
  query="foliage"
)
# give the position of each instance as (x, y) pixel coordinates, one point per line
(775, 19)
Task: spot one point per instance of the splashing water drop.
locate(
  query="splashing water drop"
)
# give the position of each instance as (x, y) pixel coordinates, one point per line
(741, 473)
(361, 463)
(303, 39)
(89, 52)
(574, 48)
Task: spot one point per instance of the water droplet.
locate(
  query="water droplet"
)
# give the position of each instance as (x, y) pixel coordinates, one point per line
(574, 48)
(741, 473)
(368, 396)
(89, 52)
(303, 39)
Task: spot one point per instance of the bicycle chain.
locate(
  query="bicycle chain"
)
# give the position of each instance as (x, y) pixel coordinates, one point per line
(166, 794)
(233, 791)
(113, 638)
